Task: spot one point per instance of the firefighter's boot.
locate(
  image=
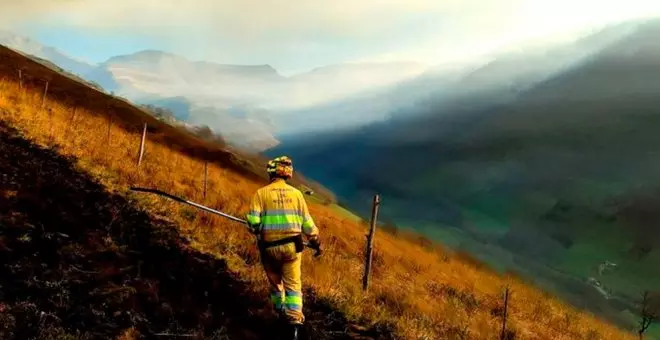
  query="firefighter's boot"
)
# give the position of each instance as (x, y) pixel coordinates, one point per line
(294, 331)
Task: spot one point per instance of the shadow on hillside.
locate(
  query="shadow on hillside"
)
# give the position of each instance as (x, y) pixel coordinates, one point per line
(79, 261)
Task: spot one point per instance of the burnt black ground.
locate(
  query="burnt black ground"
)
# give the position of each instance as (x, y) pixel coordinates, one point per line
(79, 261)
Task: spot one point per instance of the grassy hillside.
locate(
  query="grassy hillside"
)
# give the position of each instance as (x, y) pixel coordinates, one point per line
(418, 291)
(103, 269)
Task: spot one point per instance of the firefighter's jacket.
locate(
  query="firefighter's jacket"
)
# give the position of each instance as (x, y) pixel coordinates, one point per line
(280, 211)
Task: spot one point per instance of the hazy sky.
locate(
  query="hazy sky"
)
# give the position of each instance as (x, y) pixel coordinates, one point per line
(296, 35)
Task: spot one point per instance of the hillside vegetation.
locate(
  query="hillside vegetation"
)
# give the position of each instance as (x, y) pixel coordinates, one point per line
(78, 262)
(417, 291)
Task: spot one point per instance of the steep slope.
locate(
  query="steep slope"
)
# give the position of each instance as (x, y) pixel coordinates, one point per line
(416, 290)
(555, 173)
(84, 262)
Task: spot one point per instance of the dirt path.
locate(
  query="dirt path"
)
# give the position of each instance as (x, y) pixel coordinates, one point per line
(76, 260)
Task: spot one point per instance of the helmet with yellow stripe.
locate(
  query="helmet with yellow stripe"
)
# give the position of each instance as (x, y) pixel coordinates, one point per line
(281, 167)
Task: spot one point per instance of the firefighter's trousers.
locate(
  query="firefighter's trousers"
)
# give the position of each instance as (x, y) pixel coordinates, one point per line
(283, 267)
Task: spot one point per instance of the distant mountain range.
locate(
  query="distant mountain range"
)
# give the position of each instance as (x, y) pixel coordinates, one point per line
(543, 163)
(242, 102)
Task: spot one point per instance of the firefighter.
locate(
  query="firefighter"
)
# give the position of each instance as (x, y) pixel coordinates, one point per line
(279, 217)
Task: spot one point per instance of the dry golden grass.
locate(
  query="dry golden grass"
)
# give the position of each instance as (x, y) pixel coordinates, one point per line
(422, 293)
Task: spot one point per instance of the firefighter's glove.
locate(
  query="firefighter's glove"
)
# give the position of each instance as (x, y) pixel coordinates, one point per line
(315, 244)
(255, 229)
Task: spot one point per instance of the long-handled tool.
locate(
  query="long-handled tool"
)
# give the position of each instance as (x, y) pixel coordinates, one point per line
(213, 211)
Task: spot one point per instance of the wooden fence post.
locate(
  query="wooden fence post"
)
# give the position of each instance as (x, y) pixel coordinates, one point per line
(70, 126)
(144, 137)
(370, 243)
(73, 116)
(505, 313)
(50, 125)
(109, 128)
(206, 177)
(20, 79)
(43, 99)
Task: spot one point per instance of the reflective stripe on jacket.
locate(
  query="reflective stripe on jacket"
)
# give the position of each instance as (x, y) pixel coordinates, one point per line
(281, 211)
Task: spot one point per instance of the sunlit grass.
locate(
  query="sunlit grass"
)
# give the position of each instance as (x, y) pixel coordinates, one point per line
(424, 293)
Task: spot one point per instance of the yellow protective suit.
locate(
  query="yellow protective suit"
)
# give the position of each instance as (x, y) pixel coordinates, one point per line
(281, 212)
